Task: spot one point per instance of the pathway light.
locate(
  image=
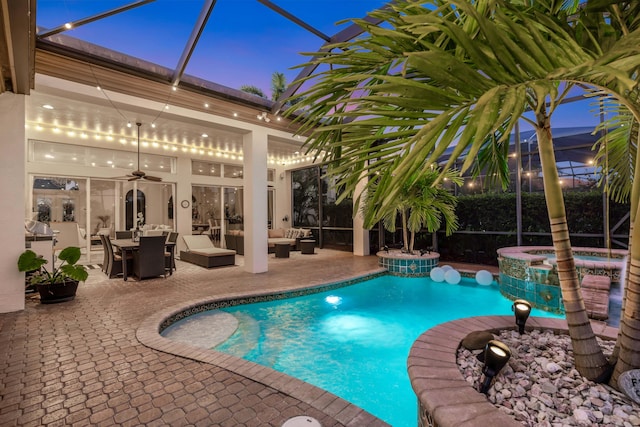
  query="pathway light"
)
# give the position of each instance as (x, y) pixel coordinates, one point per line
(521, 308)
(496, 355)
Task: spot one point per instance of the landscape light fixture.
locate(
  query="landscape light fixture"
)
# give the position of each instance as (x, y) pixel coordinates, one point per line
(496, 355)
(521, 308)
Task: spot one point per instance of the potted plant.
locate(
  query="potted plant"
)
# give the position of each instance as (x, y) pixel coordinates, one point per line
(56, 284)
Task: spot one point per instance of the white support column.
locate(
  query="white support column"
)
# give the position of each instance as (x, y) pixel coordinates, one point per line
(255, 202)
(182, 215)
(12, 200)
(360, 234)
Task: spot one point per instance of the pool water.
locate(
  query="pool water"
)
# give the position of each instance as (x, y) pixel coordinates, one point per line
(604, 258)
(354, 341)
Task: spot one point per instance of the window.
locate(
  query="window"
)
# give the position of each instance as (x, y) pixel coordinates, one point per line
(231, 171)
(205, 168)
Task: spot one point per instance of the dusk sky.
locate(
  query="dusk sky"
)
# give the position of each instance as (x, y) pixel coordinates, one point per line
(244, 42)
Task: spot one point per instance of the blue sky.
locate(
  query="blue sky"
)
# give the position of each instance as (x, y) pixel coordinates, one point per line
(244, 41)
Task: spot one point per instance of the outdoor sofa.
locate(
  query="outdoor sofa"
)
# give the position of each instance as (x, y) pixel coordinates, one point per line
(234, 239)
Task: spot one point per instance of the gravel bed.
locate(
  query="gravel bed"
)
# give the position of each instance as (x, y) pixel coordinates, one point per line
(540, 387)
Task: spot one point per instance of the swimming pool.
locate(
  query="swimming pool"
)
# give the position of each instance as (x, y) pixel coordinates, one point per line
(354, 341)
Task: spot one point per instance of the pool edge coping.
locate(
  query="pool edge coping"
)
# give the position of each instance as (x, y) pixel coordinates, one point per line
(343, 411)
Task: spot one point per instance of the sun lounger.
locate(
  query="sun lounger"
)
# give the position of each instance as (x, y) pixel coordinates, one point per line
(200, 251)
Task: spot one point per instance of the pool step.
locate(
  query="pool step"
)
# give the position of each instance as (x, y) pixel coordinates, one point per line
(595, 292)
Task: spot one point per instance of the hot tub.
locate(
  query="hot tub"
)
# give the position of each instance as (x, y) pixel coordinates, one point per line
(530, 272)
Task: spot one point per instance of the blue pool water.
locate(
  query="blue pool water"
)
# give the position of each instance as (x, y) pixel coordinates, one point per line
(602, 258)
(354, 341)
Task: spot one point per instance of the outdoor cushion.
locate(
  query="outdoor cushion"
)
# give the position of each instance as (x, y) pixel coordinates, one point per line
(278, 232)
(197, 242)
(214, 251)
(274, 240)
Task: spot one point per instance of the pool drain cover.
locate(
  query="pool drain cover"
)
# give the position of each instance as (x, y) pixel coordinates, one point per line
(302, 421)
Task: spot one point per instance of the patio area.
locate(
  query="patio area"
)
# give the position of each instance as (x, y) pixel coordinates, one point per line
(79, 363)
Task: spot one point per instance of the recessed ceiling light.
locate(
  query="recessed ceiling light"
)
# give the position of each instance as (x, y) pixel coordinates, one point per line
(206, 105)
(235, 114)
(49, 156)
(68, 25)
(204, 135)
(48, 106)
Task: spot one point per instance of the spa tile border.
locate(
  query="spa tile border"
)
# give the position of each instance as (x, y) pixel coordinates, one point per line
(445, 399)
(148, 334)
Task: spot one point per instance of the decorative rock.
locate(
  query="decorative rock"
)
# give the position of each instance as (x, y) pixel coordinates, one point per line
(477, 340)
(552, 367)
(582, 417)
(540, 387)
(446, 267)
(549, 388)
(452, 277)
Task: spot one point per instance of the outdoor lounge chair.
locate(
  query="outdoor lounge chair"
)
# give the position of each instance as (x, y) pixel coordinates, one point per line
(200, 251)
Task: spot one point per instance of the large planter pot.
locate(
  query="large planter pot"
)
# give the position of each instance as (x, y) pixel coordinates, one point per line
(402, 264)
(58, 292)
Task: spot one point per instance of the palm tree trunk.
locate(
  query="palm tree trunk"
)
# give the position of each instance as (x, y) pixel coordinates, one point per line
(629, 333)
(413, 239)
(589, 358)
(405, 237)
(629, 327)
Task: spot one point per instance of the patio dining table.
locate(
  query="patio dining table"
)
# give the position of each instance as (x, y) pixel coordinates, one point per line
(129, 245)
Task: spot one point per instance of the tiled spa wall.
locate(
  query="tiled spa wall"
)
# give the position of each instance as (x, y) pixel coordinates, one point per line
(411, 267)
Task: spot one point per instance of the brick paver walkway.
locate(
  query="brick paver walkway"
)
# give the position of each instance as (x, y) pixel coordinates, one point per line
(80, 363)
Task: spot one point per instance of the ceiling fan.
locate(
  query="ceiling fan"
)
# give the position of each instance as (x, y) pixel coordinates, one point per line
(139, 174)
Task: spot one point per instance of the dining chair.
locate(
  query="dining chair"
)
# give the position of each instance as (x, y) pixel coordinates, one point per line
(169, 258)
(214, 231)
(126, 234)
(149, 259)
(115, 260)
(105, 257)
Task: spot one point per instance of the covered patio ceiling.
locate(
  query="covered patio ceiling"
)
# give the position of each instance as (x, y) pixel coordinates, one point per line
(52, 52)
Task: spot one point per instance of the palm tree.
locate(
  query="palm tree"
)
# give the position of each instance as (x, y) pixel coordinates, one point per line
(617, 153)
(254, 90)
(464, 72)
(421, 204)
(278, 85)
